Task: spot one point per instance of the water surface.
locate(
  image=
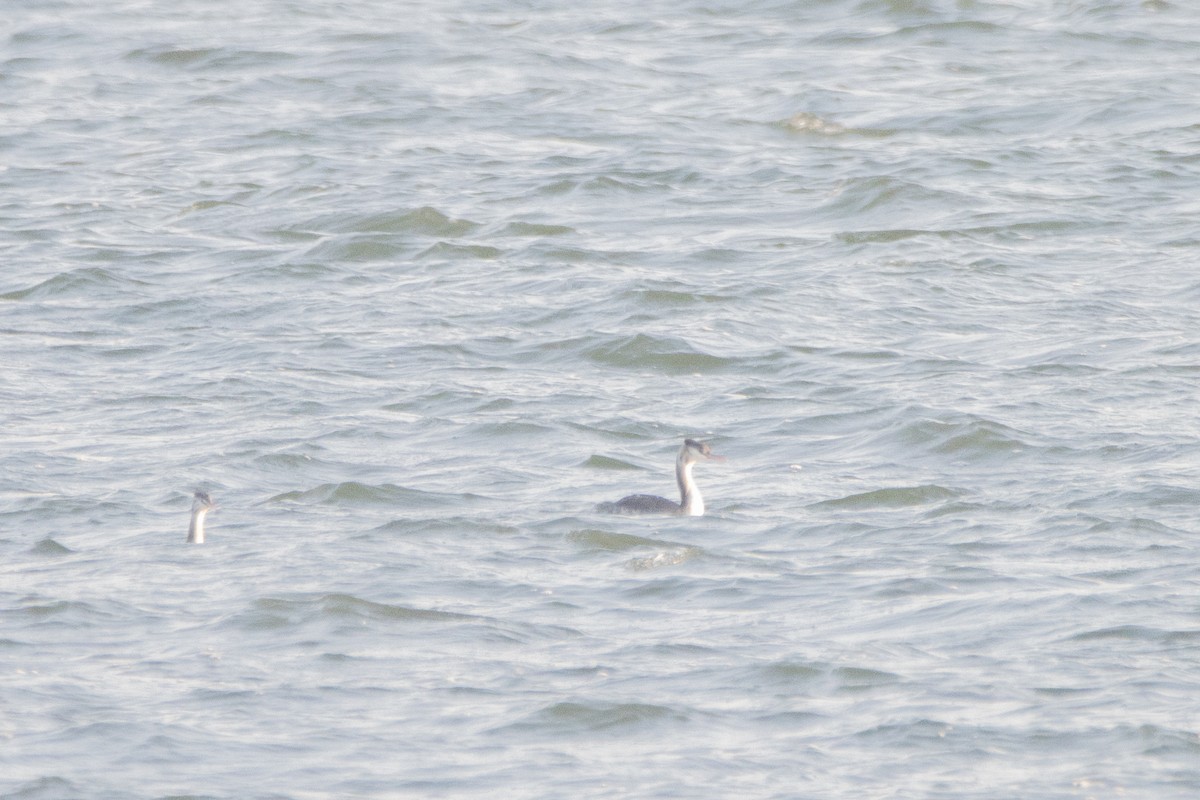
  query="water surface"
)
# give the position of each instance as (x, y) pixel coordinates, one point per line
(410, 290)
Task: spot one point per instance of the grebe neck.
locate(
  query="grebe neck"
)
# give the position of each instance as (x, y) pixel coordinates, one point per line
(196, 529)
(691, 503)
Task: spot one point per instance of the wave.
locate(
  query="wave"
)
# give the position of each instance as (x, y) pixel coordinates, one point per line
(585, 717)
(893, 497)
(49, 547)
(667, 354)
(354, 493)
(278, 612)
(606, 540)
(83, 283)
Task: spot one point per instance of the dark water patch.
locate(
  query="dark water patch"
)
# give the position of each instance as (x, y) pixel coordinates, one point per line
(50, 548)
(1063, 365)
(897, 497)
(231, 697)
(615, 542)
(208, 205)
(1064, 691)
(299, 272)
(1152, 496)
(1138, 633)
(83, 284)
(291, 236)
(1125, 576)
(872, 356)
(581, 256)
(360, 248)
(174, 57)
(558, 186)
(666, 553)
(448, 526)
(660, 298)
(347, 613)
(341, 605)
(860, 679)
(671, 588)
(862, 196)
(965, 518)
(1160, 741)
(289, 463)
(582, 718)
(175, 310)
(886, 236)
(423, 221)
(732, 257)
(967, 439)
(667, 354)
(70, 613)
(768, 394)
(671, 294)
(605, 462)
(531, 229)
(216, 58)
(790, 720)
(630, 183)
(1103, 500)
(911, 587)
(688, 652)
(790, 675)
(1136, 526)
(1021, 231)
(915, 734)
(523, 432)
(353, 493)
(49, 788)
(958, 576)
(271, 613)
(619, 183)
(946, 33)
(456, 252)
(130, 353)
(438, 402)
(845, 423)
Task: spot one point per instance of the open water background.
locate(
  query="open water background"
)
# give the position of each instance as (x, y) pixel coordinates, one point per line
(411, 287)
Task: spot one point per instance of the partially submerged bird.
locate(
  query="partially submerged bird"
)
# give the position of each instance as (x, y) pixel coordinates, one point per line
(690, 504)
(201, 505)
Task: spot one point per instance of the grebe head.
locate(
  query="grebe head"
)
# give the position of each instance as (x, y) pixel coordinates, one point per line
(202, 502)
(694, 451)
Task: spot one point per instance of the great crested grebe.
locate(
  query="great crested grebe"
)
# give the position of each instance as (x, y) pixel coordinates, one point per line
(690, 504)
(201, 505)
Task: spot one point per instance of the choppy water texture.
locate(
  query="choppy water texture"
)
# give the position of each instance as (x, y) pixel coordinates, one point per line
(411, 287)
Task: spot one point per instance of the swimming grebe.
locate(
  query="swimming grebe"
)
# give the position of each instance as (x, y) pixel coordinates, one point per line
(201, 505)
(690, 504)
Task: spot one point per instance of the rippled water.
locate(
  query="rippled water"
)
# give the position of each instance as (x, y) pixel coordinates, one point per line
(411, 289)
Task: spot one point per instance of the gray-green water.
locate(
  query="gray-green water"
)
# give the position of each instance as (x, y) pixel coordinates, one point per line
(411, 288)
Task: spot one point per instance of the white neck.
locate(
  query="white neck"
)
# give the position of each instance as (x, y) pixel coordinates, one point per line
(690, 501)
(196, 529)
